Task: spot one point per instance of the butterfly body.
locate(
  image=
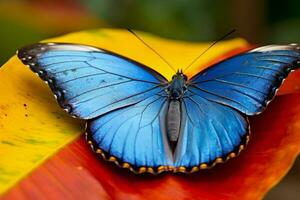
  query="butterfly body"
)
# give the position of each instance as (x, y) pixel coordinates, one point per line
(175, 91)
(141, 121)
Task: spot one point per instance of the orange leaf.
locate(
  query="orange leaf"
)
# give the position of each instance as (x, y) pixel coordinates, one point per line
(291, 84)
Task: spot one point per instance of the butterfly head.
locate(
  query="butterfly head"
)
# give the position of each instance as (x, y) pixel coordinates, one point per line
(177, 86)
(179, 75)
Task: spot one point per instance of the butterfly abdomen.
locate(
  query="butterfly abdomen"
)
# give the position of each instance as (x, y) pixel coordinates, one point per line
(173, 120)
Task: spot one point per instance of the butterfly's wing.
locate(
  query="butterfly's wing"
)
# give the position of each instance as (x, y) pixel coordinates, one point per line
(223, 94)
(88, 81)
(210, 131)
(122, 99)
(134, 135)
(249, 81)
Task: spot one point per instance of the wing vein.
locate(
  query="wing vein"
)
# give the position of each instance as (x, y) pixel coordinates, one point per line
(119, 100)
(71, 69)
(221, 96)
(87, 62)
(276, 61)
(88, 91)
(77, 78)
(253, 75)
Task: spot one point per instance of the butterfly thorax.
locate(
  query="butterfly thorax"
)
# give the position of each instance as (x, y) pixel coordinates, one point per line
(177, 86)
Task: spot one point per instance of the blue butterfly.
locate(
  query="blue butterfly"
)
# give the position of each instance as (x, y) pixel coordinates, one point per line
(141, 121)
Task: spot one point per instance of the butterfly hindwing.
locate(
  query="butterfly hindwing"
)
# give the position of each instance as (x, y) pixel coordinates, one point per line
(88, 81)
(134, 134)
(209, 131)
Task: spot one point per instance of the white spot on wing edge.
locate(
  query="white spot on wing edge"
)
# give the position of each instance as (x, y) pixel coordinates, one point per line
(275, 47)
(73, 47)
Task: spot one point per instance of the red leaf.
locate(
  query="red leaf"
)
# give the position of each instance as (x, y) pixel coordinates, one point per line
(75, 172)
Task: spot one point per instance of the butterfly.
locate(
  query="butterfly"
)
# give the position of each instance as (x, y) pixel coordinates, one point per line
(142, 121)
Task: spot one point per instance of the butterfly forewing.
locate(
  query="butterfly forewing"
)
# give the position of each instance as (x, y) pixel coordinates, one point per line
(247, 82)
(89, 82)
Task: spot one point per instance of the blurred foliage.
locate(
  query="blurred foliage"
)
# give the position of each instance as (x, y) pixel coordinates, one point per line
(27, 21)
(283, 21)
(195, 20)
(13, 34)
(259, 21)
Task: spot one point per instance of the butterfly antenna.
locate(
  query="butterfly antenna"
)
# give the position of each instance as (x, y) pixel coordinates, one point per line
(139, 38)
(220, 39)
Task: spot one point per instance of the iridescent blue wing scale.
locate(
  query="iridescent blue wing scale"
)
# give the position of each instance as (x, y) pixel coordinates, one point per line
(123, 101)
(88, 81)
(209, 131)
(218, 100)
(134, 134)
(247, 82)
